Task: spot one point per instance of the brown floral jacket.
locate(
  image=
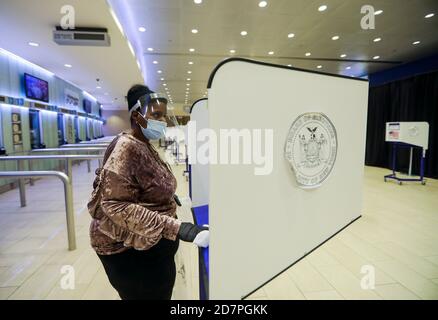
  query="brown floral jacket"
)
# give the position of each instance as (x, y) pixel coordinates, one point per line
(132, 205)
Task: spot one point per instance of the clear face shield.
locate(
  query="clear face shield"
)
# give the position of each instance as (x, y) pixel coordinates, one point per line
(151, 115)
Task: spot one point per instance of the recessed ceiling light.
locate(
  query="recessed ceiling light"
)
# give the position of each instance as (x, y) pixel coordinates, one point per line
(348, 68)
(162, 79)
(232, 51)
(188, 79)
(244, 33)
(189, 72)
(150, 49)
(291, 35)
(378, 12)
(165, 84)
(67, 65)
(289, 65)
(159, 71)
(377, 39)
(188, 84)
(34, 44)
(319, 67)
(416, 42)
(343, 55)
(194, 31)
(376, 57)
(271, 53)
(190, 62)
(308, 54)
(430, 15)
(192, 50)
(142, 29)
(98, 87)
(198, 1)
(322, 8)
(335, 38)
(155, 62)
(263, 4)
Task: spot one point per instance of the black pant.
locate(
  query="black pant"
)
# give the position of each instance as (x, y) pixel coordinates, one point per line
(143, 275)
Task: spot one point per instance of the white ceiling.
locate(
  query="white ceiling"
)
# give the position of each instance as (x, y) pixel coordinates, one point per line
(33, 21)
(169, 23)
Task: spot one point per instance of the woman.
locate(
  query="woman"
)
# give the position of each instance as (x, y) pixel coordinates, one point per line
(135, 230)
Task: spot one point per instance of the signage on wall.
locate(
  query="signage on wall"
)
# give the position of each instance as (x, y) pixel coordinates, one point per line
(17, 134)
(311, 149)
(71, 99)
(70, 129)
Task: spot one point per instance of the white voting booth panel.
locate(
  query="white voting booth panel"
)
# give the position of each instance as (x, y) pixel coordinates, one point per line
(199, 172)
(415, 133)
(261, 225)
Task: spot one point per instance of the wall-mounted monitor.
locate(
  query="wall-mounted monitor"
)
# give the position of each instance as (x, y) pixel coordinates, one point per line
(87, 106)
(35, 88)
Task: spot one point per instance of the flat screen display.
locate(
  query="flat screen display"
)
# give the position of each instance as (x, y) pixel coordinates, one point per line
(87, 106)
(36, 89)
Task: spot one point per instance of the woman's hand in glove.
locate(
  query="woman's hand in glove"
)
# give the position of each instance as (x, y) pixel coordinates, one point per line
(192, 233)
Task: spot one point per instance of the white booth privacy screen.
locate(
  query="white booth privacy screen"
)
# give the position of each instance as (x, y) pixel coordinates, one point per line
(199, 171)
(289, 177)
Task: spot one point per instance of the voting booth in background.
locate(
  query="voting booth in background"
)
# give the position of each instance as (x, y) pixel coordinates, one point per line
(411, 135)
(267, 213)
(199, 187)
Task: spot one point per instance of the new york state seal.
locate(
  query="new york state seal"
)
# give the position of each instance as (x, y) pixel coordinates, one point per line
(311, 149)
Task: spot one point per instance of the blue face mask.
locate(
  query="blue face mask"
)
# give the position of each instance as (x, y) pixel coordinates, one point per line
(155, 130)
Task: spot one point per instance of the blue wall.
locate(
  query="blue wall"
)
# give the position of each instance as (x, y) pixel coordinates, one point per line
(12, 71)
(406, 70)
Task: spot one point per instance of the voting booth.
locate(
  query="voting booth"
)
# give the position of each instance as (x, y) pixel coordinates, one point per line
(411, 135)
(199, 184)
(287, 153)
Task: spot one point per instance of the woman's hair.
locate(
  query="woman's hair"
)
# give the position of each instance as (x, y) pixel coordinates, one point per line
(135, 93)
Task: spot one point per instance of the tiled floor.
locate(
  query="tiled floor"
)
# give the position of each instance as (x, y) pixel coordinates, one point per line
(33, 245)
(396, 236)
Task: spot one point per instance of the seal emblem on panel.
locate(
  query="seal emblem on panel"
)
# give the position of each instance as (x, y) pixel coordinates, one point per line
(311, 149)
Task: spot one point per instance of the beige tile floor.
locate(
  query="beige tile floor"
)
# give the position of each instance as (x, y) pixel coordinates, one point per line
(396, 236)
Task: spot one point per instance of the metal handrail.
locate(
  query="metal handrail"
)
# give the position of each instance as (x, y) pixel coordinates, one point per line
(68, 150)
(53, 157)
(85, 149)
(68, 194)
(91, 145)
(67, 158)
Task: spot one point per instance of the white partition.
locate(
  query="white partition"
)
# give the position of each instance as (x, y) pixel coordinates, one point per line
(261, 225)
(199, 171)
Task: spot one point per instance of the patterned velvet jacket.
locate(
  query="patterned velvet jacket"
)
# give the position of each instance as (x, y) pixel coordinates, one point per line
(132, 204)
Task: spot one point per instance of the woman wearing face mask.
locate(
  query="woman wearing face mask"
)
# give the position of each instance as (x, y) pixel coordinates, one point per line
(135, 230)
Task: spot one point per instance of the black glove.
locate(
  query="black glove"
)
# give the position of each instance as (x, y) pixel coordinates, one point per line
(189, 231)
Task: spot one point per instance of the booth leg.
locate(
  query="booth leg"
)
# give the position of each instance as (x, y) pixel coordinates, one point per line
(410, 161)
(394, 152)
(423, 156)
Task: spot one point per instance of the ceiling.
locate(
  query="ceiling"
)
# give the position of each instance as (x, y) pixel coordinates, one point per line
(33, 21)
(168, 25)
